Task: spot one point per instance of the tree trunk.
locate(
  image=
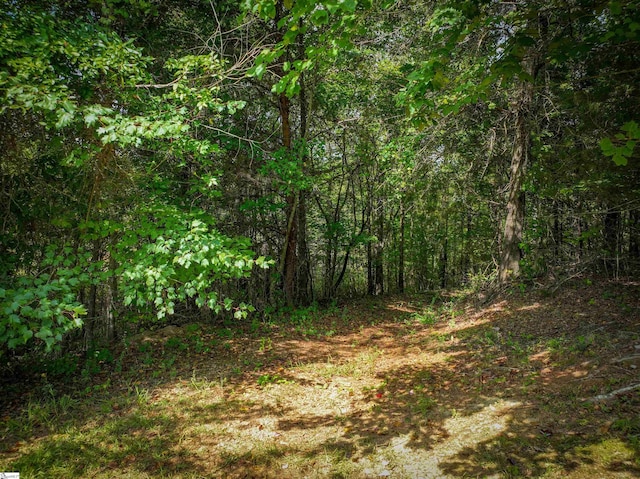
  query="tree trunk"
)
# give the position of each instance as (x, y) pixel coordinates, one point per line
(371, 287)
(401, 251)
(111, 293)
(92, 308)
(514, 223)
(304, 292)
(634, 234)
(378, 270)
(289, 257)
(443, 262)
(556, 232)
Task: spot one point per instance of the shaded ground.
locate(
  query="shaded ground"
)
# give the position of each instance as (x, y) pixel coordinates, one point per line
(403, 387)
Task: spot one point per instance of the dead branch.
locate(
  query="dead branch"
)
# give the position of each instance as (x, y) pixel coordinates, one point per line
(612, 394)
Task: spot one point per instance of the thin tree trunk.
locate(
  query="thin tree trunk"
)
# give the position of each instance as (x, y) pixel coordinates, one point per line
(401, 251)
(378, 251)
(557, 235)
(371, 287)
(304, 295)
(634, 234)
(111, 292)
(289, 257)
(92, 307)
(514, 222)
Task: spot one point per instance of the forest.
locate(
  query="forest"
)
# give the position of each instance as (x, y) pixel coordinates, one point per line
(165, 163)
(163, 158)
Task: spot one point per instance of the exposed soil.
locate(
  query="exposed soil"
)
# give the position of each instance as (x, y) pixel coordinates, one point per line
(536, 384)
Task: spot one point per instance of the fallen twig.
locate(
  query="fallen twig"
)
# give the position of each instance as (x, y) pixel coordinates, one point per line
(628, 358)
(612, 394)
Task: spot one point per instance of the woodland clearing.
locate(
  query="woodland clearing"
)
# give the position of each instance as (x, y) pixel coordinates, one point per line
(536, 383)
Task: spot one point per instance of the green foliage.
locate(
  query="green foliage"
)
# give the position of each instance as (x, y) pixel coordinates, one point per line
(335, 22)
(50, 66)
(426, 317)
(44, 307)
(622, 146)
(65, 365)
(267, 379)
(171, 255)
(286, 165)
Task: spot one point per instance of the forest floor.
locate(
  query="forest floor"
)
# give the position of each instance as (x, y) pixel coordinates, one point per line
(537, 383)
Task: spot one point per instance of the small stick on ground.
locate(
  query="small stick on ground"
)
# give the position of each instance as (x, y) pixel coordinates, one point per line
(612, 394)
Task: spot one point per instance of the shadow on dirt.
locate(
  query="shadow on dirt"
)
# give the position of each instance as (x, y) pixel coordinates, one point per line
(503, 391)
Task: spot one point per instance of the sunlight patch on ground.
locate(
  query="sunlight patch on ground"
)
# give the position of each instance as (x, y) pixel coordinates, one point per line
(400, 459)
(530, 307)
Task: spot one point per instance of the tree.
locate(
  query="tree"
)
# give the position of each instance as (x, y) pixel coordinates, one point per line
(102, 122)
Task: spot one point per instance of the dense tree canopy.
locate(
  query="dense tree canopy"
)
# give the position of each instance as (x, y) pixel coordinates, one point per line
(165, 158)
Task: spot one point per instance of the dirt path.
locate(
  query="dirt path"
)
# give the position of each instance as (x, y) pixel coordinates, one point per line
(392, 388)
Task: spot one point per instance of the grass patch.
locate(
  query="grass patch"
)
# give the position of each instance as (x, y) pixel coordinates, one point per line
(500, 393)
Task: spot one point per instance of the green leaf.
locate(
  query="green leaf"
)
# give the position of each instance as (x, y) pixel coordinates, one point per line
(606, 145)
(348, 5)
(64, 119)
(615, 8)
(257, 71)
(320, 17)
(619, 159)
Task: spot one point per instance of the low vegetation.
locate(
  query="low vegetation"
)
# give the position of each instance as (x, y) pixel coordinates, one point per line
(535, 383)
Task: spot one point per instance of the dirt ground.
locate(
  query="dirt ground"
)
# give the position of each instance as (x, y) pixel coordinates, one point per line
(537, 383)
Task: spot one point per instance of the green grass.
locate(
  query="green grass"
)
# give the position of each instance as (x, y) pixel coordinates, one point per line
(259, 405)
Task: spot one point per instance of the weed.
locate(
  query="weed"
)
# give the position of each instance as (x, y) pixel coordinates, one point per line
(203, 384)
(142, 396)
(95, 360)
(582, 343)
(267, 379)
(361, 365)
(555, 345)
(424, 405)
(66, 365)
(426, 318)
(38, 414)
(630, 426)
(199, 345)
(531, 378)
(192, 328)
(265, 344)
(176, 343)
(491, 337)
(225, 333)
(515, 345)
(147, 360)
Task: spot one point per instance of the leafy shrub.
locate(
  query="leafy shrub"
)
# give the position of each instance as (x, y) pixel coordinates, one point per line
(44, 307)
(171, 256)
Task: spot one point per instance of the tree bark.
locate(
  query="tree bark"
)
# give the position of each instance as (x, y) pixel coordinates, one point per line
(634, 234)
(92, 308)
(304, 293)
(289, 257)
(378, 270)
(514, 223)
(401, 251)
